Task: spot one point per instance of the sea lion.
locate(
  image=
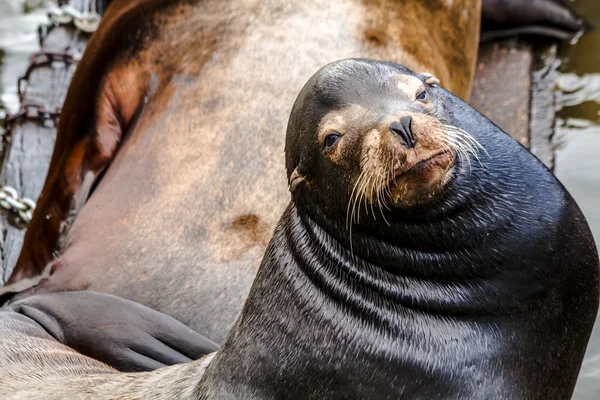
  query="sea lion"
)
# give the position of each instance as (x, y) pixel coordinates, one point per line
(460, 278)
(175, 117)
(467, 274)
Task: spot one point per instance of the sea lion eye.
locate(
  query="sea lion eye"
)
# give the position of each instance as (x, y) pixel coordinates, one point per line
(422, 96)
(331, 139)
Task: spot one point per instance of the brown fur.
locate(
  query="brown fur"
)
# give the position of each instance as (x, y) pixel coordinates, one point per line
(183, 105)
(36, 366)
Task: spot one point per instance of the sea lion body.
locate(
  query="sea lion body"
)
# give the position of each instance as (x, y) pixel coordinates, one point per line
(485, 285)
(475, 278)
(177, 112)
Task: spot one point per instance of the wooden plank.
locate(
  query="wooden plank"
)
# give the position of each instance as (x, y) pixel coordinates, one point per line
(501, 86)
(31, 145)
(543, 104)
(514, 87)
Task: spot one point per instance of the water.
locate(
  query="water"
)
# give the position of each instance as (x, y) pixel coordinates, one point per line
(577, 161)
(577, 139)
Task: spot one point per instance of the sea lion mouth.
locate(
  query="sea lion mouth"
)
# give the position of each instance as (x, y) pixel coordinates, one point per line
(425, 168)
(423, 179)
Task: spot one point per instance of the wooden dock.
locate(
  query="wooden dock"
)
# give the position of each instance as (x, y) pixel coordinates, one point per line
(27, 148)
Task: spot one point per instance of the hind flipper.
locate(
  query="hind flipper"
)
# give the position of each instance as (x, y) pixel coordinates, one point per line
(549, 18)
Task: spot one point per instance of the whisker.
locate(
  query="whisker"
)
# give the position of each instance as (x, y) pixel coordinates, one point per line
(467, 147)
(351, 202)
(469, 137)
(458, 147)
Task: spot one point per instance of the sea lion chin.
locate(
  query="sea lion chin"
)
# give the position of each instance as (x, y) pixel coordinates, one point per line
(424, 181)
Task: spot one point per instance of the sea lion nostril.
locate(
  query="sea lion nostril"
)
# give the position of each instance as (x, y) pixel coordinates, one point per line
(406, 122)
(403, 129)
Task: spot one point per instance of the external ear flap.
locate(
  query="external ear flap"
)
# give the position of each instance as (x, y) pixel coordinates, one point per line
(429, 79)
(296, 179)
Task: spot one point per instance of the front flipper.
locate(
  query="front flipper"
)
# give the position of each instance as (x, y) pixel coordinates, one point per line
(125, 335)
(550, 18)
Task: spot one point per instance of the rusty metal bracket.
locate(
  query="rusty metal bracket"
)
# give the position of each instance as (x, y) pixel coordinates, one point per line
(42, 59)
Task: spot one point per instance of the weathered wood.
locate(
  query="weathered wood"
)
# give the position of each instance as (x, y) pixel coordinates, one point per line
(543, 104)
(514, 87)
(31, 144)
(501, 88)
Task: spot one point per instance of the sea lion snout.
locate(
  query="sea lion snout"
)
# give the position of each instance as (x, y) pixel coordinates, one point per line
(420, 156)
(403, 129)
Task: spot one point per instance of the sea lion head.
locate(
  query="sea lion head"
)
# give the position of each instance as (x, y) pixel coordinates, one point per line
(372, 135)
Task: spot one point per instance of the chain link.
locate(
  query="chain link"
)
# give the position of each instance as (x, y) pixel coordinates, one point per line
(42, 59)
(27, 112)
(30, 112)
(20, 207)
(66, 14)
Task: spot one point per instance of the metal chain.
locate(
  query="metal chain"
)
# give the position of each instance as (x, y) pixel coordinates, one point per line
(30, 112)
(20, 207)
(66, 14)
(42, 59)
(23, 208)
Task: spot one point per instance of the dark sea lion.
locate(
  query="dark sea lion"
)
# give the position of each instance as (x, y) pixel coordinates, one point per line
(461, 278)
(175, 114)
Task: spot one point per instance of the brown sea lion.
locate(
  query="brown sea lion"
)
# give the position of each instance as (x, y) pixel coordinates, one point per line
(469, 273)
(175, 115)
(174, 118)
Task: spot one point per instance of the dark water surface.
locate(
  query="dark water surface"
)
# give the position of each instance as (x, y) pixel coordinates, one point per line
(577, 139)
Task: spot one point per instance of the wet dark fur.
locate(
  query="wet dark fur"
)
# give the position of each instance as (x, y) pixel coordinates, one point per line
(489, 293)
